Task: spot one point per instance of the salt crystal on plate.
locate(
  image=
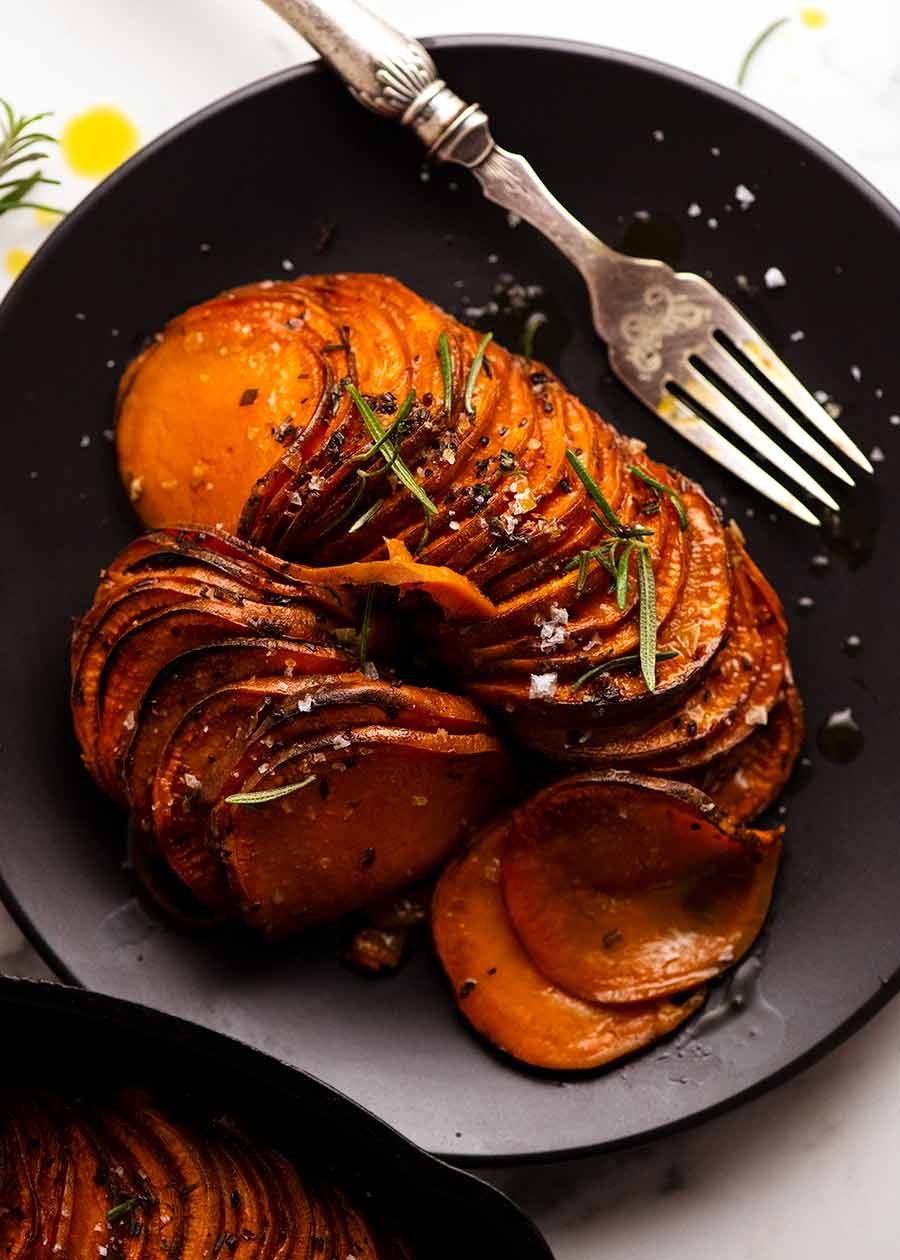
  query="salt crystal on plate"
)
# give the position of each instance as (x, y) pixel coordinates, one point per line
(876, 455)
(774, 278)
(856, 372)
(744, 197)
(85, 440)
(659, 135)
(694, 211)
(895, 421)
(798, 335)
(712, 224)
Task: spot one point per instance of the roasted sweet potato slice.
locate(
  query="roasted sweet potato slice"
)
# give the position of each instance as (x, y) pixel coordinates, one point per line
(504, 996)
(748, 779)
(190, 678)
(384, 807)
(20, 1219)
(624, 888)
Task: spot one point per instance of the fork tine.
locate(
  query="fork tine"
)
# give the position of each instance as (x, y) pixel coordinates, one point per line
(678, 416)
(708, 395)
(747, 339)
(733, 373)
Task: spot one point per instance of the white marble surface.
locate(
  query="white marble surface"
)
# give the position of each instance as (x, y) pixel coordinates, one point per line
(814, 1167)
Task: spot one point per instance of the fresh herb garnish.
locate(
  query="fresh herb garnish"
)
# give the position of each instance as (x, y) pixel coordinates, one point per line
(754, 48)
(446, 359)
(17, 143)
(367, 516)
(473, 372)
(536, 320)
(269, 794)
(393, 432)
(388, 452)
(662, 489)
(121, 1208)
(364, 627)
(612, 521)
(632, 539)
(647, 616)
(631, 661)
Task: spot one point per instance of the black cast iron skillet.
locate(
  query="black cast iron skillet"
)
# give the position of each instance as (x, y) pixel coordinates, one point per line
(292, 170)
(72, 1041)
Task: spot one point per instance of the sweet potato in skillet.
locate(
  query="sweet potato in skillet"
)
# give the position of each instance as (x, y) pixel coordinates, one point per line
(130, 1179)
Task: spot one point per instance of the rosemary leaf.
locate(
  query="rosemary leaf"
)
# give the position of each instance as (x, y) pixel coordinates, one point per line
(755, 47)
(612, 521)
(268, 794)
(536, 320)
(647, 596)
(392, 432)
(17, 148)
(366, 516)
(121, 1208)
(388, 452)
(621, 575)
(473, 372)
(364, 626)
(662, 489)
(446, 359)
(630, 661)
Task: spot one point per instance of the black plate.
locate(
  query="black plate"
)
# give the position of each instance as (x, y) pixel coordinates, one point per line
(446, 1213)
(263, 177)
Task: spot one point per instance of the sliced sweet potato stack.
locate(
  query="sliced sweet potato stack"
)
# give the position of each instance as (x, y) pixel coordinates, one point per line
(373, 808)
(624, 888)
(748, 779)
(504, 996)
(189, 679)
(21, 1217)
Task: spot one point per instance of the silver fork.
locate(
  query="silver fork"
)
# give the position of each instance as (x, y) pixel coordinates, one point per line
(665, 331)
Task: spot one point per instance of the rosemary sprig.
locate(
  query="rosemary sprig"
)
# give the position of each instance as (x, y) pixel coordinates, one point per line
(364, 626)
(473, 372)
(268, 794)
(121, 1208)
(630, 661)
(393, 432)
(754, 48)
(622, 573)
(388, 452)
(662, 489)
(17, 143)
(446, 359)
(367, 516)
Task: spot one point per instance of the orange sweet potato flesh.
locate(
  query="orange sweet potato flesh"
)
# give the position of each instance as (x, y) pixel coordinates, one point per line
(624, 888)
(503, 995)
(386, 806)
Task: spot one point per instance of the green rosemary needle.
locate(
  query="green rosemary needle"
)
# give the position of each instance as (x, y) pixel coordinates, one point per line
(446, 359)
(388, 452)
(121, 1208)
(268, 794)
(755, 47)
(662, 489)
(630, 661)
(392, 432)
(612, 521)
(647, 616)
(473, 372)
(17, 143)
(367, 516)
(535, 321)
(622, 573)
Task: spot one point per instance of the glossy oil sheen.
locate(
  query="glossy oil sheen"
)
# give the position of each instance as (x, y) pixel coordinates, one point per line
(269, 175)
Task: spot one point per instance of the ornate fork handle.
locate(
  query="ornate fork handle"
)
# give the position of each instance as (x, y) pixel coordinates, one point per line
(393, 75)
